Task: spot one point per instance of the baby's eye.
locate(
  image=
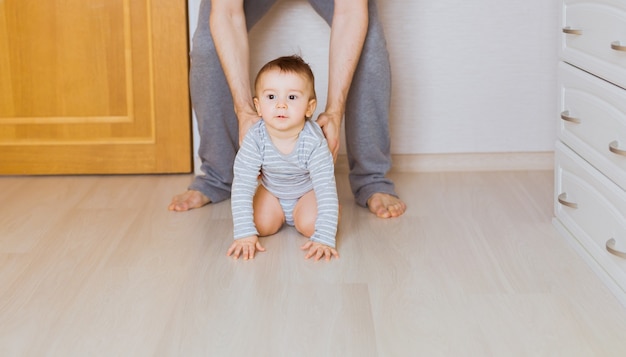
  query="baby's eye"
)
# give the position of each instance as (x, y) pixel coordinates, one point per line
(292, 97)
(271, 96)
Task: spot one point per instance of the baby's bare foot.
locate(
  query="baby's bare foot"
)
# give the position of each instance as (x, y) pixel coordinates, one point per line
(188, 200)
(386, 206)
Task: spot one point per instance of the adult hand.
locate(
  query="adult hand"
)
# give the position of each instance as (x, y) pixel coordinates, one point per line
(246, 119)
(331, 126)
(246, 247)
(319, 251)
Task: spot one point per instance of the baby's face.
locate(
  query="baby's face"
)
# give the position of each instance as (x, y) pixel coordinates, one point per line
(284, 100)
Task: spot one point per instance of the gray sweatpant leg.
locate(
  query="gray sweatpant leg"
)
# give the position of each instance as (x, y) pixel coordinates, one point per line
(213, 105)
(367, 111)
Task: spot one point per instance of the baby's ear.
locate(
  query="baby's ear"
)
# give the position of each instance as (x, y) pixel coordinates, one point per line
(311, 107)
(257, 106)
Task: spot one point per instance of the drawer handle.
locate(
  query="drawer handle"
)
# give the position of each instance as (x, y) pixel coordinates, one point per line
(565, 116)
(610, 247)
(613, 146)
(617, 46)
(563, 200)
(571, 31)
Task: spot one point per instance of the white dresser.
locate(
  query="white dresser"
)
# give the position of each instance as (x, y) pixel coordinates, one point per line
(590, 155)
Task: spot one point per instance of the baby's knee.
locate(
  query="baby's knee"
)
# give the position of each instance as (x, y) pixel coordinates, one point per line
(305, 214)
(268, 225)
(305, 224)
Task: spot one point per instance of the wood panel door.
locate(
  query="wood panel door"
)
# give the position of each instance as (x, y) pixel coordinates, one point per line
(94, 87)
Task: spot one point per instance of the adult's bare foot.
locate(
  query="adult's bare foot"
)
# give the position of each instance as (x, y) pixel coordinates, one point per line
(187, 200)
(384, 205)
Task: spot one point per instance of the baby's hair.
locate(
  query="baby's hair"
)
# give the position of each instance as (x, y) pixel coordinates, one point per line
(289, 64)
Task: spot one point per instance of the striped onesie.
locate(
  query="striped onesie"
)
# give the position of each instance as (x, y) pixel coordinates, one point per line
(287, 176)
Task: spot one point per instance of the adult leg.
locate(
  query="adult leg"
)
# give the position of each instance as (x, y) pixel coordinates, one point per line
(213, 105)
(367, 119)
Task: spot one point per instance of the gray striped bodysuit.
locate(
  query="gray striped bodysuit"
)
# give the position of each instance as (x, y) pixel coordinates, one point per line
(288, 177)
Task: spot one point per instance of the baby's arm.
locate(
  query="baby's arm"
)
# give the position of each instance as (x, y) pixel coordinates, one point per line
(246, 170)
(321, 169)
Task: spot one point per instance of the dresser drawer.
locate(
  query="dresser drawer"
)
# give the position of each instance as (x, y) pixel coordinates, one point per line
(593, 121)
(594, 37)
(593, 209)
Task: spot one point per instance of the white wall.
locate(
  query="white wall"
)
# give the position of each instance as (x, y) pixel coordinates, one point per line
(468, 76)
(194, 6)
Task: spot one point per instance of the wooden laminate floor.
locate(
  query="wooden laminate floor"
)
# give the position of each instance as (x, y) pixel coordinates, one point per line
(96, 266)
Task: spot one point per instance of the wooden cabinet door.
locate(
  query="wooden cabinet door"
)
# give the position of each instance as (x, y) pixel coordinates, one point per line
(94, 87)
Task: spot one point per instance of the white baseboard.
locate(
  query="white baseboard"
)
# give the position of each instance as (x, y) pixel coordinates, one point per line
(525, 161)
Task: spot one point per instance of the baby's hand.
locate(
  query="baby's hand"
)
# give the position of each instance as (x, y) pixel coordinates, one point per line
(246, 247)
(319, 251)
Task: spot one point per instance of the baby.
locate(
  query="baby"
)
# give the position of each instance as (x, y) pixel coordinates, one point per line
(295, 165)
